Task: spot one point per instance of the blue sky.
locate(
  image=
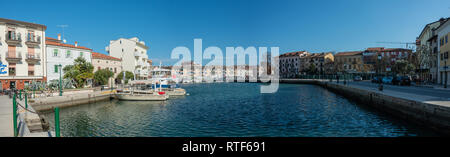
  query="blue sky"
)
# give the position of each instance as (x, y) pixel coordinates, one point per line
(292, 25)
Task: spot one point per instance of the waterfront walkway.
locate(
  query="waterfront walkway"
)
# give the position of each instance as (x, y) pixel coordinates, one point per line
(6, 117)
(426, 95)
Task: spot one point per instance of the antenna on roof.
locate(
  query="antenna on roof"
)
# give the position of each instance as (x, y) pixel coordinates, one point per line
(63, 26)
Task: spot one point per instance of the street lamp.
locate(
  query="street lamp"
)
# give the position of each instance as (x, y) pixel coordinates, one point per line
(446, 77)
(60, 80)
(380, 87)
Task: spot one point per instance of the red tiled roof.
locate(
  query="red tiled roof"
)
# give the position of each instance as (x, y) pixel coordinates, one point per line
(96, 55)
(48, 42)
(292, 53)
(375, 48)
(350, 53)
(50, 38)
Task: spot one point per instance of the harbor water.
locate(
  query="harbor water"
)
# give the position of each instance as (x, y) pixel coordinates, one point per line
(236, 109)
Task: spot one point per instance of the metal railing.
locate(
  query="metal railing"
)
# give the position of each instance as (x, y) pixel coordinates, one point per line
(33, 38)
(17, 104)
(13, 55)
(13, 36)
(137, 54)
(34, 56)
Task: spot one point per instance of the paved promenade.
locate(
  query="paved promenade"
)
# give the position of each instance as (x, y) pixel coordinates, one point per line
(426, 95)
(6, 117)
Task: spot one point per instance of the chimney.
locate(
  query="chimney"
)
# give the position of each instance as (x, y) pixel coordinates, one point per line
(59, 36)
(76, 44)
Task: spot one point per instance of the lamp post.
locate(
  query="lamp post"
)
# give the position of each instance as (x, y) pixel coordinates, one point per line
(60, 80)
(380, 87)
(446, 77)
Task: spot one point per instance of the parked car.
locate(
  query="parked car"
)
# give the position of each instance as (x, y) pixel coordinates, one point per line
(406, 81)
(402, 80)
(376, 79)
(357, 78)
(396, 80)
(387, 80)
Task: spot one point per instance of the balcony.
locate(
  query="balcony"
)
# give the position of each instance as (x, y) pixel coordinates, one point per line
(140, 64)
(137, 54)
(13, 38)
(13, 57)
(33, 41)
(33, 58)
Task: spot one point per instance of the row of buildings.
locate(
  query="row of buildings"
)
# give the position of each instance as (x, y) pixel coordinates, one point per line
(433, 48)
(357, 62)
(27, 55)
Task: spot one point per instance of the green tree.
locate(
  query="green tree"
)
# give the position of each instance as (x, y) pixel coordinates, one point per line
(312, 69)
(79, 72)
(128, 75)
(403, 67)
(102, 76)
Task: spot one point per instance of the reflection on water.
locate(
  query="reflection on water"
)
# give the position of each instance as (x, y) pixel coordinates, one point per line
(235, 109)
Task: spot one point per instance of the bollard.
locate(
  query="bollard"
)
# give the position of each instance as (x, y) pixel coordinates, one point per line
(15, 115)
(57, 133)
(26, 100)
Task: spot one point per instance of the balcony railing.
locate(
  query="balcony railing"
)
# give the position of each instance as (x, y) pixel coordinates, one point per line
(33, 41)
(33, 58)
(140, 63)
(137, 54)
(13, 38)
(13, 57)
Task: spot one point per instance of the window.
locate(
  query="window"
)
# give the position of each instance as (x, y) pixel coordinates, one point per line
(55, 53)
(12, 71)
(99, 68)
(30, 73)
(81, 54)
(115, 70)
(56, 68)
(67, 53)
(446, 39)
(446, 55)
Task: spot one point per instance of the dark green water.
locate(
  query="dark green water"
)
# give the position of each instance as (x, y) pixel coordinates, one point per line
(236, 109)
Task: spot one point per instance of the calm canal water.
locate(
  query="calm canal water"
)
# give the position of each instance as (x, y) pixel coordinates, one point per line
(236, 109)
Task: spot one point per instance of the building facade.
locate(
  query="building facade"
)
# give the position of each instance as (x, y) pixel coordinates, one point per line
(349, 62)
(388, 57)
(290, 63)
(22, 54)
(427, 49)
(113, 64)
(317, 63)
(443, 31)
(133, 54)
(59, 53)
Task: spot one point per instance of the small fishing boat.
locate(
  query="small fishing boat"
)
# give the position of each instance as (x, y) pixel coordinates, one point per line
(141, 96)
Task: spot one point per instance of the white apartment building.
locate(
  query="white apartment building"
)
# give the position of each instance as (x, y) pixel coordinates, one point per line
(59, 53)
(290, 63)
(133, 54)
(22, 53)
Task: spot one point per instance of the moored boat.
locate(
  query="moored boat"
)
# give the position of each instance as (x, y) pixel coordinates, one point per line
(141, 97)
